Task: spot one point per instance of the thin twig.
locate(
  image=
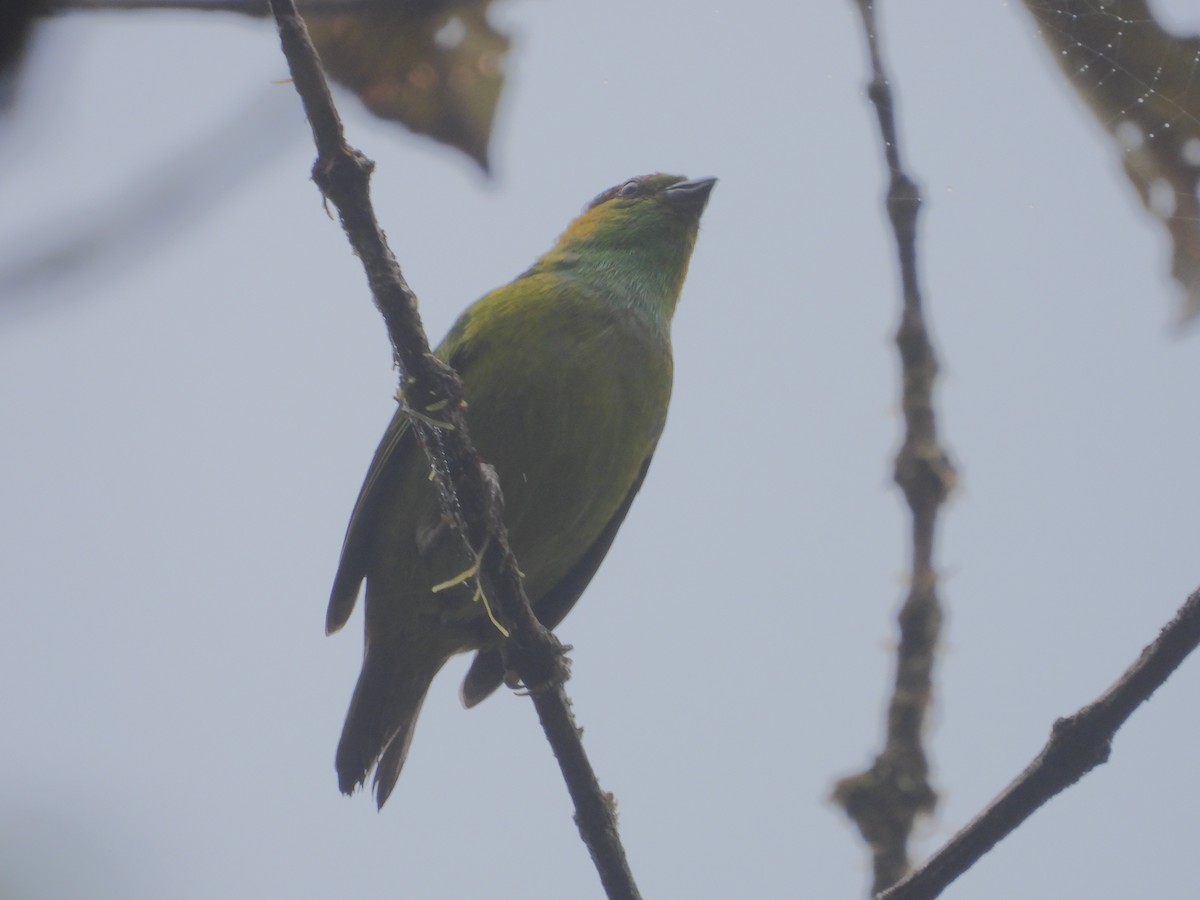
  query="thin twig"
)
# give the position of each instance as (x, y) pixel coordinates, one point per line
(885, 800)
(470, 493)
(1077, 745)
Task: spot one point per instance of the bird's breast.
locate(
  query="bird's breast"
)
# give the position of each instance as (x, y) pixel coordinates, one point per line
(569, 431)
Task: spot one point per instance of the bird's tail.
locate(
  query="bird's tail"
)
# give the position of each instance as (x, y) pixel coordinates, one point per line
(383, 713)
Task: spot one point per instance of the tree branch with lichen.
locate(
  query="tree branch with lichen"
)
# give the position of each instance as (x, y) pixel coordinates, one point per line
(885, 800)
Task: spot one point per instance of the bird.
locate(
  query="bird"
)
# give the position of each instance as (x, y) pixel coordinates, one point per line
(567, 373)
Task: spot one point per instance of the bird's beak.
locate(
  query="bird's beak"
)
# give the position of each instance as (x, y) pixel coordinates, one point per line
(690, 195)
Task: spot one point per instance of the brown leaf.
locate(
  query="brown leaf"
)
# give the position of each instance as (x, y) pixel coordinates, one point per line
(1143, 85)
(435, 67)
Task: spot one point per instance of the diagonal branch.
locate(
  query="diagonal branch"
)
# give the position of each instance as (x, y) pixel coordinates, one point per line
(885, 800)
(468, 487)
(1077, 745)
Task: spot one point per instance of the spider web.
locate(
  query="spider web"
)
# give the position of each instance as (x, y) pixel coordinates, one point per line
(1142, 83)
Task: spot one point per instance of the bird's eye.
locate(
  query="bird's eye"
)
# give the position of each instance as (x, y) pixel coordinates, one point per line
(631, 188)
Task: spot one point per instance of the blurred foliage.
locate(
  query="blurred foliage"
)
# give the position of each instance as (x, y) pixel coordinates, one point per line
(16, 22)
(436, 67)
(1143, 85)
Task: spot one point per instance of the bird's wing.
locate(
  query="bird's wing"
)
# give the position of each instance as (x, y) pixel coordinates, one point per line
(487, 669)
(397, 442)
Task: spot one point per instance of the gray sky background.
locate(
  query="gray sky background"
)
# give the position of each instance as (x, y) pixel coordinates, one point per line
(185, 431)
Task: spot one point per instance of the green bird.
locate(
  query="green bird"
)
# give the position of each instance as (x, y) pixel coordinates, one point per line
(567, 374)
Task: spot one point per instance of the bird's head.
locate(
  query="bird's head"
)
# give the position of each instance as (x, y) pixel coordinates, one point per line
(655, 209)
(636, 238)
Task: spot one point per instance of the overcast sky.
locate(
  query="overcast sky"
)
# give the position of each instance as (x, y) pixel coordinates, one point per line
(185, 427)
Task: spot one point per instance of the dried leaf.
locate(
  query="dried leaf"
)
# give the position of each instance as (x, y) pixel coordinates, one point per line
(435, 67)
(1143, 85)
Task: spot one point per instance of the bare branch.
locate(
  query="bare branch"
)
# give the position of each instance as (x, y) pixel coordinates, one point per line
(885, 800)
(1077, 745)
(470, 493)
